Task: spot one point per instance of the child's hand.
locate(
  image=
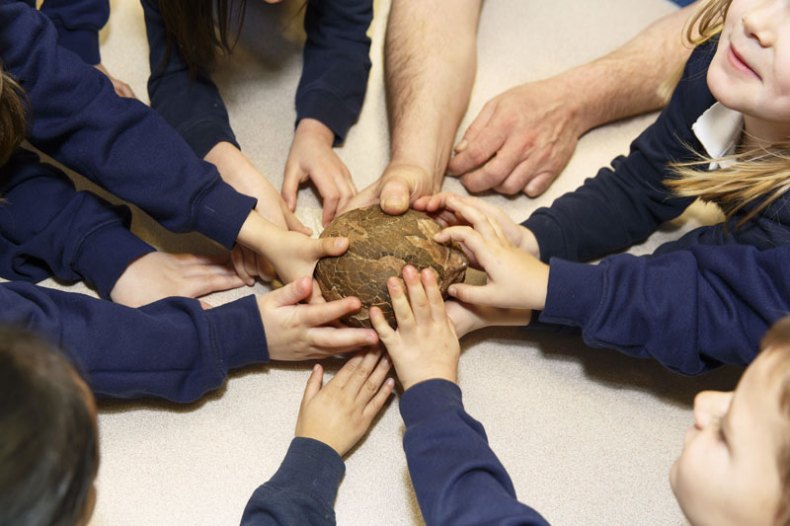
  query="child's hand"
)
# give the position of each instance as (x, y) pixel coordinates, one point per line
(312, 157)
(516, 279)
(159, 275)
(340, 413)
(467, 318)
(292, 254)
(249, 265)
(453, 209)
(297, 332)
(425, 345)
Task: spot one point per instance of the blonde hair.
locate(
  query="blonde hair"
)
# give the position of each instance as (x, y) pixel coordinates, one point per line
(12, 116)
(777, 340)
(752, 175)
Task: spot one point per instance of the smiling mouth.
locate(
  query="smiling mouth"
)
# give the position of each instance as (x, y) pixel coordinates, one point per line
(737, 62)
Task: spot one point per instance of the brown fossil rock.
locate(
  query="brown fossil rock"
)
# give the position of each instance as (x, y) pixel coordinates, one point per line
(380, 245)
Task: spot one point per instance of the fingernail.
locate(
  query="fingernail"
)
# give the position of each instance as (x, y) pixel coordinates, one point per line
(339, 243)
(462, 146)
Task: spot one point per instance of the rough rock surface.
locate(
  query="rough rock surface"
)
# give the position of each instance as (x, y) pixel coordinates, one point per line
(380, 245)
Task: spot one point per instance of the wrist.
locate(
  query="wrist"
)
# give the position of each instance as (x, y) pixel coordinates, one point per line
(529, 243)
(426, 375)
(315, 129)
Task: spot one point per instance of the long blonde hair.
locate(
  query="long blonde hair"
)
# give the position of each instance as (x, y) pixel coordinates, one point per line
(754, 175)
(12, 116)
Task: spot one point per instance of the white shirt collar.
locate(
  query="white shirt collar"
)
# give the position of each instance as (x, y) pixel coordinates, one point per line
(718, 129)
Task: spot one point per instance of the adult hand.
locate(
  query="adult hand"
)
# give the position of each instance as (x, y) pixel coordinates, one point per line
(340, 413)
(296, 332)
(399, 186)
(159, 275)
(425, 345)
(520, 141)
(516, 279)
(453, 209)
(312, 157)
(122, 89)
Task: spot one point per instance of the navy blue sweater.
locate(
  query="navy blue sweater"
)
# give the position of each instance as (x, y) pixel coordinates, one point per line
(47, 228)
(171, 349)
(703, 300)
(457, 478)
(120, 144)
(78, 23)
(331, 89)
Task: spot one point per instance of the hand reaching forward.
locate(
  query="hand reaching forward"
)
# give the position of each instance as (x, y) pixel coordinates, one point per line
(399, 185)
(453, 209)
(312, 157)
(297, 331)
(340, 413)
(516, 279)
(158, 275)
(520, 141)
(425, 345)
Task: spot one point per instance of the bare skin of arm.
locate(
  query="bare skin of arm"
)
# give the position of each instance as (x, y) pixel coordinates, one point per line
(430, 64)
(523, 138)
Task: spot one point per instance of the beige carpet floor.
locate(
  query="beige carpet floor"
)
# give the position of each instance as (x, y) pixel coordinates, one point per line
(588, 435)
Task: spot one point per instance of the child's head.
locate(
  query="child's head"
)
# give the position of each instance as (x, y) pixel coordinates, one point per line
(749, 73)
(735, 464)
(12, 116)
(48, 437)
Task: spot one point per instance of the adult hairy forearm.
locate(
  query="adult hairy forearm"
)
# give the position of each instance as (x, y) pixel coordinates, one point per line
(430, 63)
(636, 77)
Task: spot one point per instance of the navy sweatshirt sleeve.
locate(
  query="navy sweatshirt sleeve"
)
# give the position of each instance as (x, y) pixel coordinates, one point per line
(193, 107)
(457, 478)
(331, 89)
(336, 63)
(691, 310)
(78, 23)
(48, 228)
(624, 204)
(302, 491)
(76, 117)
(171, 349)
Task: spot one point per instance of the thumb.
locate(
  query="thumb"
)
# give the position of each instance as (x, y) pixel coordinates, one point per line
(314, 383)
(292, 293)
(394, 196)
(329, 246)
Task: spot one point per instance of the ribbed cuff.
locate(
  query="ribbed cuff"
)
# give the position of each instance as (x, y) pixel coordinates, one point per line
(428, 400)
(105, 253)
(551, 241)
(313, 468)
(237, 330)
(325, 107)
(574, 292)
(220, 212)
(83, 42)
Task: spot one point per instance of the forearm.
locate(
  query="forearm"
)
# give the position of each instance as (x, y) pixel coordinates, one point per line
(691, 310)
(430, 65)
(48, 228)
(457, 477)
(170, 349)
(633, 79)
(302, 491)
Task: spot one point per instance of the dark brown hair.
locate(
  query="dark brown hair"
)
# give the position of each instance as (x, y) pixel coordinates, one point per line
(12, 116)
(200, 28)
(48, 438)
(777, 339)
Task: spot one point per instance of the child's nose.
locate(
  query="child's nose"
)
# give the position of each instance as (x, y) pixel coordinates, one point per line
(710, 406)
(760, 20)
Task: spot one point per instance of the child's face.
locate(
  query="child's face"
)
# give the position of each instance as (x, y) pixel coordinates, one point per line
(727, 472)
(750, 72)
